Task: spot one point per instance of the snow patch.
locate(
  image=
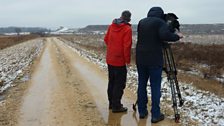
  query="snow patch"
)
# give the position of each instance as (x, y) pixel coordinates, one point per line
(14, 59)
(202, 106)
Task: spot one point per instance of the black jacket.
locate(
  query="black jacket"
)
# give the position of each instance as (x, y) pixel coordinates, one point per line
(152, 32)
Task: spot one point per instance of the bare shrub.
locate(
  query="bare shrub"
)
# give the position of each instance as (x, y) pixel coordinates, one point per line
(190, 55)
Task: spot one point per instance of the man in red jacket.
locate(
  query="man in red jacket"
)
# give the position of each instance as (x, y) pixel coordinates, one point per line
(118, 40)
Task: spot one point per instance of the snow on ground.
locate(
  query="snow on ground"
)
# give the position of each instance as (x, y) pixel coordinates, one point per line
(200, 106)
(14, 59)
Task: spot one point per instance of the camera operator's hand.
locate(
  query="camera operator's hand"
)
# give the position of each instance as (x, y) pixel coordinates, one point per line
(180, 35)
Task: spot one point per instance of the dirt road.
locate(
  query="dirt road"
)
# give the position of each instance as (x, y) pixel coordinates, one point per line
(67, 90)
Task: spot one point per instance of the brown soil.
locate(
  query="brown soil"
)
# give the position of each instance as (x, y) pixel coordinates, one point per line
(66, 89)
(12, 98)
(62, 94)
(202, 84)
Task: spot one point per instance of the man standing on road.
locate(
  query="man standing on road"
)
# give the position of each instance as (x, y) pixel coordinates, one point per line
(152, 32)
(118, 40)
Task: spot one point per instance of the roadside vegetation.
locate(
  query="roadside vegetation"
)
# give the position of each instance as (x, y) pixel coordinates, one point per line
(7, 41)
(204, 60)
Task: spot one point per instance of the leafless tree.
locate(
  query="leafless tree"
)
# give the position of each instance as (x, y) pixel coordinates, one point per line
(18, 30)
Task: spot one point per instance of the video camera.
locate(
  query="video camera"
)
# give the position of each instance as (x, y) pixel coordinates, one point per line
(171, 20)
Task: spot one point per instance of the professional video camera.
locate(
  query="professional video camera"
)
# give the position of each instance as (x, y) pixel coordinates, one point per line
(171, 20)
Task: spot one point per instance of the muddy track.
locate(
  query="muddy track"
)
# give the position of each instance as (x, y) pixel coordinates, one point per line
(67, 90)
(57, 96)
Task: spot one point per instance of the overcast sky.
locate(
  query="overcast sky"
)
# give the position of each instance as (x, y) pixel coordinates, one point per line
(79, 13)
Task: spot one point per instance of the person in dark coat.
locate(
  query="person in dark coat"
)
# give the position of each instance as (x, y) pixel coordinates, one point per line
(118, 40)
(152, 32)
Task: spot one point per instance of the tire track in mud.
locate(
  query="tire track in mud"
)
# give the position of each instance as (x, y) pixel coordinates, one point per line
(96, 81)
(56, 95)
(67, 90)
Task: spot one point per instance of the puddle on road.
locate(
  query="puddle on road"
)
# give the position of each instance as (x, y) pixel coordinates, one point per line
(97, 84)
(25, 78)
(35, 109)
(1, 98)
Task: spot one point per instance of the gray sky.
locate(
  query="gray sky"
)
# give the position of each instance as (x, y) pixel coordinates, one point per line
(79, 13)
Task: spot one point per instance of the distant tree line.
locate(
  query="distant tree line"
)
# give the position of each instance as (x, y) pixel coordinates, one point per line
(18, 30)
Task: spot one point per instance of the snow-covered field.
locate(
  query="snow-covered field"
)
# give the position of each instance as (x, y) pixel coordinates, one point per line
(202, 107)
(14, 59)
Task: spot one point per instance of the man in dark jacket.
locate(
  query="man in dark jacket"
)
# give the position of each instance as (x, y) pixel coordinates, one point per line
(152, 32)
(118, 41)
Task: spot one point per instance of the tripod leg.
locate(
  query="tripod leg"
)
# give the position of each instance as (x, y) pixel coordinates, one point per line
(181, 101)
(173, 67)
(171, 75)
(174, 99)
(134, 105)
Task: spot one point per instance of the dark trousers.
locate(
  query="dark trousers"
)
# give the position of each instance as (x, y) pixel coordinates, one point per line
(154, 73)
(117, 81)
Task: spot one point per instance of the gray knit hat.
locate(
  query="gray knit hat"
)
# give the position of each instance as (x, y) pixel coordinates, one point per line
(126, 15)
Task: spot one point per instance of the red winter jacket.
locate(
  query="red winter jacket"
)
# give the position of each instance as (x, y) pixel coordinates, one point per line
(118, 40)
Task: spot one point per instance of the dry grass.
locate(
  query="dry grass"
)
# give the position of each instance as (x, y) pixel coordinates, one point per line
(86, 40)
(7, 41)
(189, 55)
(207, 59)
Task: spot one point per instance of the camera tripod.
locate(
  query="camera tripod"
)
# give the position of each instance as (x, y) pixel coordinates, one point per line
(170, 70)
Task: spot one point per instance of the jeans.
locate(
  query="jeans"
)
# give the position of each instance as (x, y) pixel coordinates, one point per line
(154, 74)
(117, 82)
